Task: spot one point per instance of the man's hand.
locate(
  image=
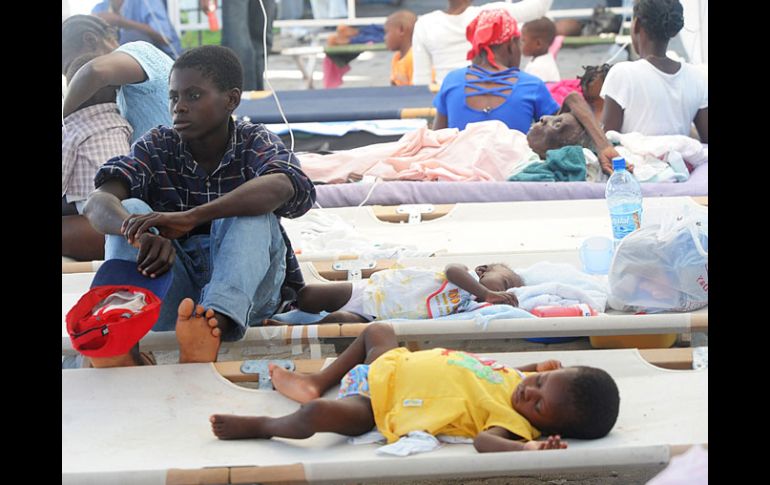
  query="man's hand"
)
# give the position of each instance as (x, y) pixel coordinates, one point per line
(605, 160)
(501, 298)
(171, 225)
(548, 365)
(552, 443)
(156, 255)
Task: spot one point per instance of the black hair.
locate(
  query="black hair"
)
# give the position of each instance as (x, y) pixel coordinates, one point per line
(542, 28)
(595, 402)
(662, 19)
(591, 73)
(79, 62)
(215, 62)
(73, 28)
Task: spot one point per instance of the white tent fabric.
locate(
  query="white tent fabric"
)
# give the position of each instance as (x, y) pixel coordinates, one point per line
(138, 425)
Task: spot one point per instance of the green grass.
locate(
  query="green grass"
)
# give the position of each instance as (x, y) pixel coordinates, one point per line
(202, 37)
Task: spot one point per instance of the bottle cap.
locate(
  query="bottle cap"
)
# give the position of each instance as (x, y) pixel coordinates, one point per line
(618, 163)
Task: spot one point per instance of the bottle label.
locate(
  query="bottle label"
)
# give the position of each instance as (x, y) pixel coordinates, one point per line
(624, 223)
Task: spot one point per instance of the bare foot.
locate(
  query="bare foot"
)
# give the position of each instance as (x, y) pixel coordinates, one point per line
(231, 427)
(270, 322)
(198, 335)
(298, 387)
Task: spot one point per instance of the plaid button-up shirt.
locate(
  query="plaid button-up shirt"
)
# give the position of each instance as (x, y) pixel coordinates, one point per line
(161, 171)
(89, 137)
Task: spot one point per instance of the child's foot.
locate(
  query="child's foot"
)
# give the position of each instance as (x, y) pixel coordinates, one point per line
(198, 335)
(231, 427)
(298, 387)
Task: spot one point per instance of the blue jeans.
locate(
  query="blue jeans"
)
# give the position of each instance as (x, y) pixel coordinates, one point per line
(242, 26)
(237, 270)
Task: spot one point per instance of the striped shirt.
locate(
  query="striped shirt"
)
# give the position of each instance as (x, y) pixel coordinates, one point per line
(161, 171)
(89, 137)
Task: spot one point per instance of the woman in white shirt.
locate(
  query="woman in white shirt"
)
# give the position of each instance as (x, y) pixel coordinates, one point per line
(655, 95)
(439, 42)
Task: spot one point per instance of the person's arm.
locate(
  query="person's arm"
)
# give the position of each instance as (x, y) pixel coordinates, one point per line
(540, 366)
(523, 11)
(575, 103)
(498, 438)
(458, 274)
(120, 21)
(421, 59)
(114, 69)
(440, 121)
(612, 115)
(702, 124)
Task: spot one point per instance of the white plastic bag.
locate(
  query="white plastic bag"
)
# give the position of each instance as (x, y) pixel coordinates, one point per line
(663, 267)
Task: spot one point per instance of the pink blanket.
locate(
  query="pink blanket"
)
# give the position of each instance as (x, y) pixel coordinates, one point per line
(483, 151)
(561, 89)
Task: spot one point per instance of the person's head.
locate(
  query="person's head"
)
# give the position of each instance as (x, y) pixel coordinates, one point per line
(498, 277)
(576, 402)
(591, 83)
(553, 132)
(398, 30)
(204, 89)
(84, 34)
(656, 21)
(494, 36)
(537, 36)
(105, 95)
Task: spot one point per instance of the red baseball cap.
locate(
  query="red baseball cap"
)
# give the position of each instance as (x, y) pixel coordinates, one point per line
(119, 309)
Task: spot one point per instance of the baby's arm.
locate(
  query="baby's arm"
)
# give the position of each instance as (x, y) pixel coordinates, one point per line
(541, 366)
(497, 438)
(458, 275)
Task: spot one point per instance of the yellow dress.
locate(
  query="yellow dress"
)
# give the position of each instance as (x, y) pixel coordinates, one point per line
(443, 392)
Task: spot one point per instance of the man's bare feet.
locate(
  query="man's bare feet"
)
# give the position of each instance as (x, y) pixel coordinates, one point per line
(298, 387)
(198, 335)
(231, 427)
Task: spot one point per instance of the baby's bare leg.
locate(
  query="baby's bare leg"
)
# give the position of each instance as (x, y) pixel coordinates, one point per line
(374, 341)
(327, 297)
(351, 416)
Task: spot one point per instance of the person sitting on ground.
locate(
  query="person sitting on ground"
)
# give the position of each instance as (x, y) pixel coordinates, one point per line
(91, 135)
(492, 87)
(536, 37)
(139, 68)
(145, 20)
(438, 391)
(410, 293)
(655, 95)
(591, 83)
(439, 42)
(398, 37)
(203, 199)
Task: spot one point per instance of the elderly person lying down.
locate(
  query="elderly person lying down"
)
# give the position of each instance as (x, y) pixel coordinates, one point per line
(484, 151)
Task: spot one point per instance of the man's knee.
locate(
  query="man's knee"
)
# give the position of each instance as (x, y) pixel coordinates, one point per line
(136, 206)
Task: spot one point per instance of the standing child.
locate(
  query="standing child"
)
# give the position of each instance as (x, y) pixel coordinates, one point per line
(203, 199)
(437, 391)
(398, 37)
(411, 293)
(536, 38)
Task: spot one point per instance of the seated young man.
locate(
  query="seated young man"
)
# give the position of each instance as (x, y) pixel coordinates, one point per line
(203, 199)
(438, 391)
(91, 135)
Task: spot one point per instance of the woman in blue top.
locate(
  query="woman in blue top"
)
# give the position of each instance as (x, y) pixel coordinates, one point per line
(493, 87)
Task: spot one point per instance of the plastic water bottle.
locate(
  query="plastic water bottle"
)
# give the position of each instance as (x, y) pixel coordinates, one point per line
(578, 310)
(624, 199)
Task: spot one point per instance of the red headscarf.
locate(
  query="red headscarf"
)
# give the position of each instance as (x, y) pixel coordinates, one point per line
(490, 27)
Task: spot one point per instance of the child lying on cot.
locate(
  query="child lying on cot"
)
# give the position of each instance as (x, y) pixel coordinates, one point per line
(438, 391)
(410, 293)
